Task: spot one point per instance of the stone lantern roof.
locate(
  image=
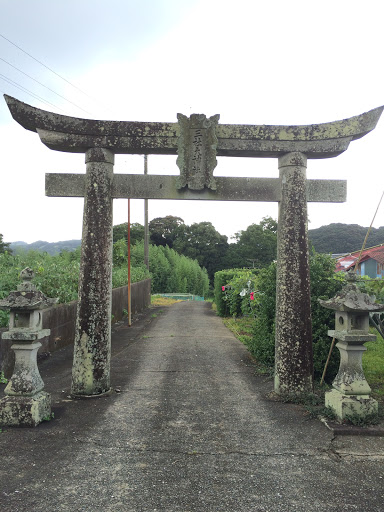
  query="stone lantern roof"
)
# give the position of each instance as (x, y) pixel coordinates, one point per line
(27, 297)
(352, 299)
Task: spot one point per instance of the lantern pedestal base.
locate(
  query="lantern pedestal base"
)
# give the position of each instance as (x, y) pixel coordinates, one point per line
(350, 405)
(25, 411)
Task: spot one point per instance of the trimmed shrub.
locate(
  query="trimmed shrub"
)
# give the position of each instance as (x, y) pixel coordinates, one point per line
(239, 293)
(324, 285)
(221, 280)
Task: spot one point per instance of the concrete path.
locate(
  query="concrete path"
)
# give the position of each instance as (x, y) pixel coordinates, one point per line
(188, 428)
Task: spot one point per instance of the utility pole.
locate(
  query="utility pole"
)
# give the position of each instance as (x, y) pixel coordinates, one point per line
(129, 265)
(146, 230)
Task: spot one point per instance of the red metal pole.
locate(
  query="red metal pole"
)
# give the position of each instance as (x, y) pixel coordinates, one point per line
(129, 265)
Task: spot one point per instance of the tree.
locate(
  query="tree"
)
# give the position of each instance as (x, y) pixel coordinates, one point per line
(120, 232)
(343, 238)
(4, 247)
(202, 242)
(164, 230)
(269, 224)
(256, 246)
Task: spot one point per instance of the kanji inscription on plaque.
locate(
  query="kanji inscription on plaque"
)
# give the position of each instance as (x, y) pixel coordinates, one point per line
(197, 151)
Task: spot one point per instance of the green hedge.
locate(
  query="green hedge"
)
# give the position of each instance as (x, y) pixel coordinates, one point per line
(236, 291)
(221, 280)
(324, 284)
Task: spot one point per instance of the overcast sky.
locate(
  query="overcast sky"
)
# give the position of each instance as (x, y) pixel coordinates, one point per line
(251, 61)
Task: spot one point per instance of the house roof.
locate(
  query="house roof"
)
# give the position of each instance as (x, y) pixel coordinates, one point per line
(349, 260)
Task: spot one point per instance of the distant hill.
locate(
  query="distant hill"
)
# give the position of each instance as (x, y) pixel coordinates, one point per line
(334, 238)
(49, 247)
(344, 238)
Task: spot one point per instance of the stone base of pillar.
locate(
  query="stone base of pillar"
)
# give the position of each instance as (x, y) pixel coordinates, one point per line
(350, 405)
(86, 397)
(25, 411)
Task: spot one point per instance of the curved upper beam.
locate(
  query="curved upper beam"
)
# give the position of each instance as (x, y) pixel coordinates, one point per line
(74, 134)
(32, 118)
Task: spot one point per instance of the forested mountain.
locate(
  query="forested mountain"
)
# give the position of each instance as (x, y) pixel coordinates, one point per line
(344, 238)
(51, 248)
(334, 238)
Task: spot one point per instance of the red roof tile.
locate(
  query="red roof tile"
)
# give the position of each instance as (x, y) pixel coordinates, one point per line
(348, 261)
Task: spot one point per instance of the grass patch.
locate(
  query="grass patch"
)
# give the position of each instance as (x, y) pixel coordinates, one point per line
(373, 366)
(157, 300)
(241, 327)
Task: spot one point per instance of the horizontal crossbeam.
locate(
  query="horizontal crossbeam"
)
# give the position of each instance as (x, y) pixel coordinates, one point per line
(139, 186)
(165, 145)
(76, 135)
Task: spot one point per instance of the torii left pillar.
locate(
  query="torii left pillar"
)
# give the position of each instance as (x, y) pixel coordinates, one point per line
(92, 346)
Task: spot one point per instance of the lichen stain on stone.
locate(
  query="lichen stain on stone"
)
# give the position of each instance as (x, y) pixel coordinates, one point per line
(94, 309)
(293, 316)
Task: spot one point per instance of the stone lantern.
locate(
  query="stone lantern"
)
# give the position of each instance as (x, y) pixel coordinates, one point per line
(350, 393)
(25, 403)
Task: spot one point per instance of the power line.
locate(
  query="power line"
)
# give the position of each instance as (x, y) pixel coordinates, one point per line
(49, 89)
(49, 69)
(24, 89)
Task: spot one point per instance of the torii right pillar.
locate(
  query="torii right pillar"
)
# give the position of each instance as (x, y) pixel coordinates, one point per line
(293, 351)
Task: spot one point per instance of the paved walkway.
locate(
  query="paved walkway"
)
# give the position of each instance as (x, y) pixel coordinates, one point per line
(188, 428)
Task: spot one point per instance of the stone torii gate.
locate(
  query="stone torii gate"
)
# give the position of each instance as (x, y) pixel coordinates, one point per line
(197, 141)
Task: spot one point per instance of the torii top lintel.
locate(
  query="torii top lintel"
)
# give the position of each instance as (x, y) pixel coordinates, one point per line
(76, 135)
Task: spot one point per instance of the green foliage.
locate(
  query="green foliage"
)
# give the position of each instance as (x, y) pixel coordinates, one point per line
(172, 272)
(202, 242)
(164, 230)
(3, 380)
(4, 247)
(373, 366)
(373, 287)
(363, 421)
(239, 292)
(256, 246)
(120, 275)
(324, 284)
(313, 403)
(120, 232)
(222, 278)
(262, 343)
(120, 252)
(49, 417)
(56, 276)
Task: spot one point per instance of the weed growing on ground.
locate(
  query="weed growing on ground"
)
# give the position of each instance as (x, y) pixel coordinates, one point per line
(313, 403)
(3, 380)
(365, 421)
(49, 417)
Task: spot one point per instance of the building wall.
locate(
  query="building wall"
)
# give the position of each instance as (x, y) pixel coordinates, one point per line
(370, 268)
